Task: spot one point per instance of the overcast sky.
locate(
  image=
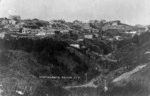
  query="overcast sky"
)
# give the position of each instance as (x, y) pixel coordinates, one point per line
(128, 11)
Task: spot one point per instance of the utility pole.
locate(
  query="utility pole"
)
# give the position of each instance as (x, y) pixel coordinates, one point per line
(86, 77)
(105, 86)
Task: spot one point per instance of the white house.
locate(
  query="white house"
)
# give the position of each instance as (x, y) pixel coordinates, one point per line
(118, 37)
(41, 33)
(2, 35)
(50, 31)
(75, 45)
(30, 31)
(12, 22)
(90, 36)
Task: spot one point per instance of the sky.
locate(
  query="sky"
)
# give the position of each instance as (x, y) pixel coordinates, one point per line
(128, 11)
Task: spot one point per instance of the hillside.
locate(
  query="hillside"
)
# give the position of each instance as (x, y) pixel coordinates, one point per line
(129, 76)
(132, 75)
(17, 70)
(24, 61)
(56, 58)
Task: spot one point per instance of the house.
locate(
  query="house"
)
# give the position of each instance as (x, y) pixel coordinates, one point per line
(30, 31)
(12, 22)
(41, 33)
(11, 27)
(79, 40)
(95, 30)
(18, 25)
(57, 21)
(50, 31)
(116, 25)
(45, 32)
(86, 27)
(75, 45)
(26, 30)
(2, 34)
(4, 21)
(88, 36)
(98, 25)
(118, 37)
(64, 31)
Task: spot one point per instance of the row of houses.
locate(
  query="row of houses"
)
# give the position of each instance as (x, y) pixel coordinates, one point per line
(37, 31)
(5, 21)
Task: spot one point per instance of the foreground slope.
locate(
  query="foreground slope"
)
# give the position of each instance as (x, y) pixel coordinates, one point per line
(17, 77)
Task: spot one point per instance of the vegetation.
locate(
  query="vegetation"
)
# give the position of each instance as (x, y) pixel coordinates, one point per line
(52, 53)
(23, 60)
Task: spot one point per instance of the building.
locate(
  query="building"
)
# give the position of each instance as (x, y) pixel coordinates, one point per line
(30, 31)
(14, 17)
(50, 31)
(41, 33)
(87, 27)
(2, 35)
(118, 37)
(64, 31)
(11, 21)
(11, 27)
(76, 22)
(88, 36)
(4, 21)
(75, 45)
(115, 23)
